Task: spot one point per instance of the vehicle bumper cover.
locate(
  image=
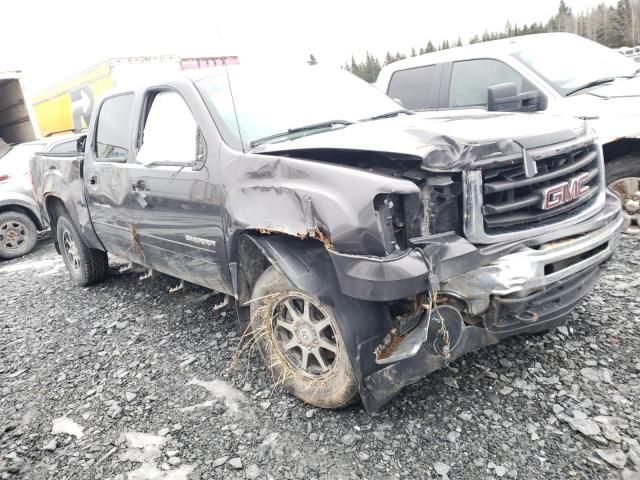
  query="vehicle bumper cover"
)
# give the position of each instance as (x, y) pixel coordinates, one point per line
(514, 294)
(458, 266)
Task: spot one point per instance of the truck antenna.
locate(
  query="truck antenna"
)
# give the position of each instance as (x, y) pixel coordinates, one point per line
(233, 102)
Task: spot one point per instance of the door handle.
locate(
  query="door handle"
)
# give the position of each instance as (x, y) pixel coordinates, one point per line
(139, 186)
(93, 180)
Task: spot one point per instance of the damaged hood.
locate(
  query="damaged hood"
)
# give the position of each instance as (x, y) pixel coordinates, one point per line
(439, 143)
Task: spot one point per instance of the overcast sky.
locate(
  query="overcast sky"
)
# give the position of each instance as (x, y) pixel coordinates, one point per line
(54, 39)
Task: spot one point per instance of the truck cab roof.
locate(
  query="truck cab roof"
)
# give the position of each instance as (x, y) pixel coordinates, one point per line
(492, 49)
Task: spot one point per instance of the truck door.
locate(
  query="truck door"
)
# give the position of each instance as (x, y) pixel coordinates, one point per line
(106, 176)
(465, 84)
(175, 197)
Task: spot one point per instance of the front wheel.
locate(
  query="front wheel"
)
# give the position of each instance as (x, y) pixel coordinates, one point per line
(301, 342)
(18, 235)
(86, 265)
(623, 178)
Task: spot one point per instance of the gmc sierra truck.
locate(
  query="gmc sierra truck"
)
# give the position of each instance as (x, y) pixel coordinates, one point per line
(558, 73)
(363, 245)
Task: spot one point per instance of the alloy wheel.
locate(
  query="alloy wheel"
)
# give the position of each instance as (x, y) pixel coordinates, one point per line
(628, 190)
(305, 334)
(13, 235)
(71, 250)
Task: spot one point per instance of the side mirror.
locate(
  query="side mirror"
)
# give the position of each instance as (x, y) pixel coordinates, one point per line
(505, 98)
(80, 143)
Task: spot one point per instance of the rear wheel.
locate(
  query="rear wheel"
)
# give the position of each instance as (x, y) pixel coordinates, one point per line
(18, 235)
(86, 265)
(301, 342)
(623, 178)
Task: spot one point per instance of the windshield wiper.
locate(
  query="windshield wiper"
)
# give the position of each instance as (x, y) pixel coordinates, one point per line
(305, 128)
(593, 83)
(388, 115)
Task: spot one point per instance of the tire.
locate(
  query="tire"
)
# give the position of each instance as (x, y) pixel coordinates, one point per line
(85, 265)
(623, 178)
(18, 235)
(326, 380)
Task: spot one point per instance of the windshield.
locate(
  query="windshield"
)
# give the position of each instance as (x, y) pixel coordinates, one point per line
(569, 62)
(269, 103)
(16, 160)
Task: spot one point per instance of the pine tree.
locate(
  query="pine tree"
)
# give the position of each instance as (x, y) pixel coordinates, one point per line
(613, 26)
(413, 51)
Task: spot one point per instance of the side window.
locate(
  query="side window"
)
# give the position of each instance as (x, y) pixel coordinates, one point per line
(471, 79)
(413, 87)
(112, 135)
(65, 147)
(170, 134)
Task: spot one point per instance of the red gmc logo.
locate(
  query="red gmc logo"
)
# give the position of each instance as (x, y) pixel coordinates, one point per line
(564, 192)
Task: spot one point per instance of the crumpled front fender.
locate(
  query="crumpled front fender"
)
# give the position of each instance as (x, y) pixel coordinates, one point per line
(363, 324)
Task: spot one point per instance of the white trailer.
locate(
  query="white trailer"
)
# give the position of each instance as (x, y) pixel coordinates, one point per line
(17, 121)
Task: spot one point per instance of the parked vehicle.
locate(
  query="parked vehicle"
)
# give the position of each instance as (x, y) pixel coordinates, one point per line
(17, 123)
(364, 245)
(20, 217)
(626, 51)
(67, 105)
(558, 73)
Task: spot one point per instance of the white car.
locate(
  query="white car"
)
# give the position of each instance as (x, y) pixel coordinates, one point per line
(558, 73)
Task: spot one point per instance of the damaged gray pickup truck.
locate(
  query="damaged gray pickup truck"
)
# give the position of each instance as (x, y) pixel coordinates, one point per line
(364, 246)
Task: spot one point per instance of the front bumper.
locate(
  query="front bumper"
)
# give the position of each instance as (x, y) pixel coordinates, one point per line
(532, 287)
(458, 266)
(532, 268)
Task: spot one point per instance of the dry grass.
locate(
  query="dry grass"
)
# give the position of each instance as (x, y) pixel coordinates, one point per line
(280, 368)
(136, 247)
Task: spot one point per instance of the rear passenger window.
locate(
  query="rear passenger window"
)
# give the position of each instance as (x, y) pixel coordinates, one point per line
(112, 136)
(471, 79)
(413, 87)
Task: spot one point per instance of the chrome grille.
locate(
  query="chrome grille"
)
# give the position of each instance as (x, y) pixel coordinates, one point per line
(502, 203)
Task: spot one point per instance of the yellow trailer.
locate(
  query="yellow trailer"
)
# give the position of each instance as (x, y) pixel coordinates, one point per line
(67, 105)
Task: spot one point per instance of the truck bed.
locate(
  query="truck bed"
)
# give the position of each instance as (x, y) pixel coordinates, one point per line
(58, 183)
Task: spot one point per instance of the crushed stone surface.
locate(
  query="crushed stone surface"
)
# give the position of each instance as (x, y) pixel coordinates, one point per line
(124, 381)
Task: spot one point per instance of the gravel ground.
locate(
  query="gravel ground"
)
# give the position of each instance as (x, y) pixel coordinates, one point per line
(125, 381)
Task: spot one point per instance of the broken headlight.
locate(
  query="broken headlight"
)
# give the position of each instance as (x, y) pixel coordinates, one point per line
(441, 199)
(398, 217)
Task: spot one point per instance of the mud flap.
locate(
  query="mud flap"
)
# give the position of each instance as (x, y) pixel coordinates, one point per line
(363, 324)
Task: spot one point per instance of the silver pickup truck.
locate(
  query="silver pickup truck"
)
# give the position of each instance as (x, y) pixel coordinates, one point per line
(556, 73)
(364, 246)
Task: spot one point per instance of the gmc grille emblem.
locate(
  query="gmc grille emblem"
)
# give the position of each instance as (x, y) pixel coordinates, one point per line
(565, 192)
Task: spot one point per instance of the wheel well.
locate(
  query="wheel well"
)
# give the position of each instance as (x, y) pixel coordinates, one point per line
(55, 209)
(251, 261)
(25, 211)
(620, 148)
(251, 264)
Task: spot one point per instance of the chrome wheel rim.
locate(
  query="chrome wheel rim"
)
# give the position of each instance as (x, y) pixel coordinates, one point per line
(628, 190)
(305, 334)
(71, 250)
(13, 235)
